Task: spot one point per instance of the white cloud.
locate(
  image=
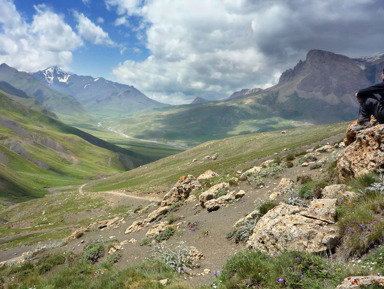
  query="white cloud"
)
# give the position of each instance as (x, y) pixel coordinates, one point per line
(212, 48)
(47, 40)
(91, 31)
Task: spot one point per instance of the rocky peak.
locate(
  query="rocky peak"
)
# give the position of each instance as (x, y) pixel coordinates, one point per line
(55, 74)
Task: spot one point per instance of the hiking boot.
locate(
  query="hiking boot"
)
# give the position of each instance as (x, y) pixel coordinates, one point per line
(360, 126)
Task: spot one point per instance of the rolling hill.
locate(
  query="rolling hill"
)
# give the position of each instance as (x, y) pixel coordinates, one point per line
(38, 152)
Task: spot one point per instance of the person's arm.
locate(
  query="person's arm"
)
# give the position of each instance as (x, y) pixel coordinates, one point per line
(377, 88)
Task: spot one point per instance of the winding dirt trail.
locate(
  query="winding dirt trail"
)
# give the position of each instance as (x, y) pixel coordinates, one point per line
(121, 194)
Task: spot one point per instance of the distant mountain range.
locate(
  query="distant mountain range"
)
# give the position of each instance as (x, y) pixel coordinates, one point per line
(27, 83)
(97, 95)
(318, 90)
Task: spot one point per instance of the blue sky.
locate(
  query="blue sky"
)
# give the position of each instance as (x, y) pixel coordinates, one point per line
(176, 50)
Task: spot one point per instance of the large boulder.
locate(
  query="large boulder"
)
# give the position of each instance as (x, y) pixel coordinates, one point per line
(181, 190)
(288, 227)
(364, 155)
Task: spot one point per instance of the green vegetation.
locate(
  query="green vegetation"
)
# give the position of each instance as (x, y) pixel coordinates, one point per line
(162, 174)
(253, 269)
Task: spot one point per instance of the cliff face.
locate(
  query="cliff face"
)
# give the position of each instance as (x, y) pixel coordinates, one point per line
(327, 76)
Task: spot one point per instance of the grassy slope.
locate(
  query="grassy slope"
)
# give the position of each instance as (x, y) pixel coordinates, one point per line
(80, 156)
(194, 124)
(235, 153)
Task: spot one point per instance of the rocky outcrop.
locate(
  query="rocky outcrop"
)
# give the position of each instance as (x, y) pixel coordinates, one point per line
(209, 174)
(337, 192)
(364, 155)
(211, 193)
(288, 227)
(282, 188)
(181, 190)
(215, 204)
(355, 282)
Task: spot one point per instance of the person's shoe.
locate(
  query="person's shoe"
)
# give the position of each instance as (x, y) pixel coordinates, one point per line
(360, 126)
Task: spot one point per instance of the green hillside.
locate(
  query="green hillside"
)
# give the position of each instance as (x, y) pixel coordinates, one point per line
(234, 153)
(191, 125)
(38, 152)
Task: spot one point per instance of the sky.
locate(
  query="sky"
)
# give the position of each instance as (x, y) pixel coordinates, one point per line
(176, 50)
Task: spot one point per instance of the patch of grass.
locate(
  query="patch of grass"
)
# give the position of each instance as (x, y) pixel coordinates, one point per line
(266, 206)
(253, 269)
(361, 224)
(167, 234)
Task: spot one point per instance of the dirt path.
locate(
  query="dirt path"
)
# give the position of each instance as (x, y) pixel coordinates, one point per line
(123, 194)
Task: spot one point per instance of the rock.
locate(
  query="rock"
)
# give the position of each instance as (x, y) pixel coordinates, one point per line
(350, 134)
(288, 227)
(132, 241)
(156, 213)
(337, 191)
(207, 175)
(361, 281)
(78, 232)
(155, 230)
(191, 199)
(135, 227)
(239, 194)
(253, 170)
(251, 216)
(211, 192)
(325, 148)
(267, 163)
(181, 190)
(214, 157)
(364, 155)
(163, 282)
(283, 187)
(212, 205)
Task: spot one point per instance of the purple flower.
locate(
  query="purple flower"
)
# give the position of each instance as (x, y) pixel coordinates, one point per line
(280, 280)
(368, 228)
(361, 225)
(327, 284)
(354, 222)
(297, 258)
(359, 229)
(374, 222)
(216, 273)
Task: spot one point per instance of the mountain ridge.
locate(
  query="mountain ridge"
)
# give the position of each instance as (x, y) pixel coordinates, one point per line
(97, 95)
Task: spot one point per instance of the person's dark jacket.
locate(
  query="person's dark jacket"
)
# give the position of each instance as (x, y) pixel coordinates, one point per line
(374, 89)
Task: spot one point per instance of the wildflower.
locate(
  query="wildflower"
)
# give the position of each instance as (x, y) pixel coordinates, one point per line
(280, 280)
(359, 229)
(374, 222)
(361, 225)
(354, 222)
(327, 284)
(216, 273)
(297, 258)
(368, 228)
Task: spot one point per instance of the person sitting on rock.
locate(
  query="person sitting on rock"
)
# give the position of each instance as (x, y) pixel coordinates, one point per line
(371, 101)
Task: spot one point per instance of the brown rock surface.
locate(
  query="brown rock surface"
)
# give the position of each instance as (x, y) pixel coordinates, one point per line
(364, 155)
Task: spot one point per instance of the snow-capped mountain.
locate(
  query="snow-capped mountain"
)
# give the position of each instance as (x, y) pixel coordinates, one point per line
(97, 95)
(54, 73)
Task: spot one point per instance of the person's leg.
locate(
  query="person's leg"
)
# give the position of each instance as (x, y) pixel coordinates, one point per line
(368, 107)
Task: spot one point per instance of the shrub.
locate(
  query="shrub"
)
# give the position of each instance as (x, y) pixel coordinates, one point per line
(168, 233)
(178, 259)
(290, 157)
(93, 252)
(47, 262)
(266, 206)
(245, 230)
